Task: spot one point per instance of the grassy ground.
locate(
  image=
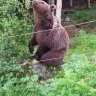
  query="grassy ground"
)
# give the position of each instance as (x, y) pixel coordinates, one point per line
(78, 17)
(83, 15)
(77, 77)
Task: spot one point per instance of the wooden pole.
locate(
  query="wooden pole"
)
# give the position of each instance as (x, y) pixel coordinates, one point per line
(71, 3)
(51, 1)
(89, 5)
(59, 9)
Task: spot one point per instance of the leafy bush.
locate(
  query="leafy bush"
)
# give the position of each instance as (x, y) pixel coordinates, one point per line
(16, 26)
(13, 43)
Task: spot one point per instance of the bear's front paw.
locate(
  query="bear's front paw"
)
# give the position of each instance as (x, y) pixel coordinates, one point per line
(31, 49)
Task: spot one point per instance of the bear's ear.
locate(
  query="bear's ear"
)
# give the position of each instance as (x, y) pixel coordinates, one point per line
(53, 7)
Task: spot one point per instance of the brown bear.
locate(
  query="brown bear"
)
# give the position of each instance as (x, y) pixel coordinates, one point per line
(49, 35)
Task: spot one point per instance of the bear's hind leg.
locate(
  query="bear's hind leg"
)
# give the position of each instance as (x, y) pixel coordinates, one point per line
(41, 50)
(53, 57)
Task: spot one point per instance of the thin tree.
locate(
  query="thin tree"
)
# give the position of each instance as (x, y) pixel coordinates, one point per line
(71, 3)
(59, 9)
(89, 5)
(51, 1)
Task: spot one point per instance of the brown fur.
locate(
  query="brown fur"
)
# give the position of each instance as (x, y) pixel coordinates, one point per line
(52, 44)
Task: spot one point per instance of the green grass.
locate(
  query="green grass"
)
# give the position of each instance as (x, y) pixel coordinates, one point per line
(77, 77)
(84, 15)
(83, 43)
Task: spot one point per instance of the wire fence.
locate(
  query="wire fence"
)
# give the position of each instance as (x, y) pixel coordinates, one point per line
(19, 65)
(8, 37)
(32, 87)
(51, 31)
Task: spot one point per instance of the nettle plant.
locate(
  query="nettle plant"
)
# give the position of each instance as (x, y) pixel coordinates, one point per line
(14, 21)
(11, 25)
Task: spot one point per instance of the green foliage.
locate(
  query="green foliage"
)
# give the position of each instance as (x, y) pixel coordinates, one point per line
(84, 43)
(78, 74)
(84, 15)
(14, 21)
(13, 25)
(77, 77)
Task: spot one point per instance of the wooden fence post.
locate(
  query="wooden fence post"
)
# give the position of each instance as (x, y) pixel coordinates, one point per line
(71, 3)
(89, 5)
(51, 1)
(59, 9)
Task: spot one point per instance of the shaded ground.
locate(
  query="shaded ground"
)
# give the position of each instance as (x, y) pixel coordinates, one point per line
(77, 17)
(74, 30)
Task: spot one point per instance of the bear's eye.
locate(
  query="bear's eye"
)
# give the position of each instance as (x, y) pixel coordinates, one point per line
(42, 2)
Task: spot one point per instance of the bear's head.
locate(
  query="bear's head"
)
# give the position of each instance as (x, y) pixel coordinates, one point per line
(42, 7)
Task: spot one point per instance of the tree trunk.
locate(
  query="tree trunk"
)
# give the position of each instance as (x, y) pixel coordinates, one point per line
(71, 3)
(89, 4)
(51, 1)
(58, 10)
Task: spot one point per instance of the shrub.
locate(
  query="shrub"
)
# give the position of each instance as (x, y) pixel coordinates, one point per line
(15, 31)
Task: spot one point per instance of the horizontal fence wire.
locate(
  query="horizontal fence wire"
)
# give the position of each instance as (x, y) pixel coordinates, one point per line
(8, 37)
(49, 30)
(4, 67)
(46, 85)
(19, 89)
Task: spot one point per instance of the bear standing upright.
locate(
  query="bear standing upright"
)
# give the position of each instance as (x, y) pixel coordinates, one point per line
(49, 35)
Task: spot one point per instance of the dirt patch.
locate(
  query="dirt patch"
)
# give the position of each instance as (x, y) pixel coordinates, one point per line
(74, 30)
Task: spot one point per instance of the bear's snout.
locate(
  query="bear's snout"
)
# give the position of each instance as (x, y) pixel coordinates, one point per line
(34, 2)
